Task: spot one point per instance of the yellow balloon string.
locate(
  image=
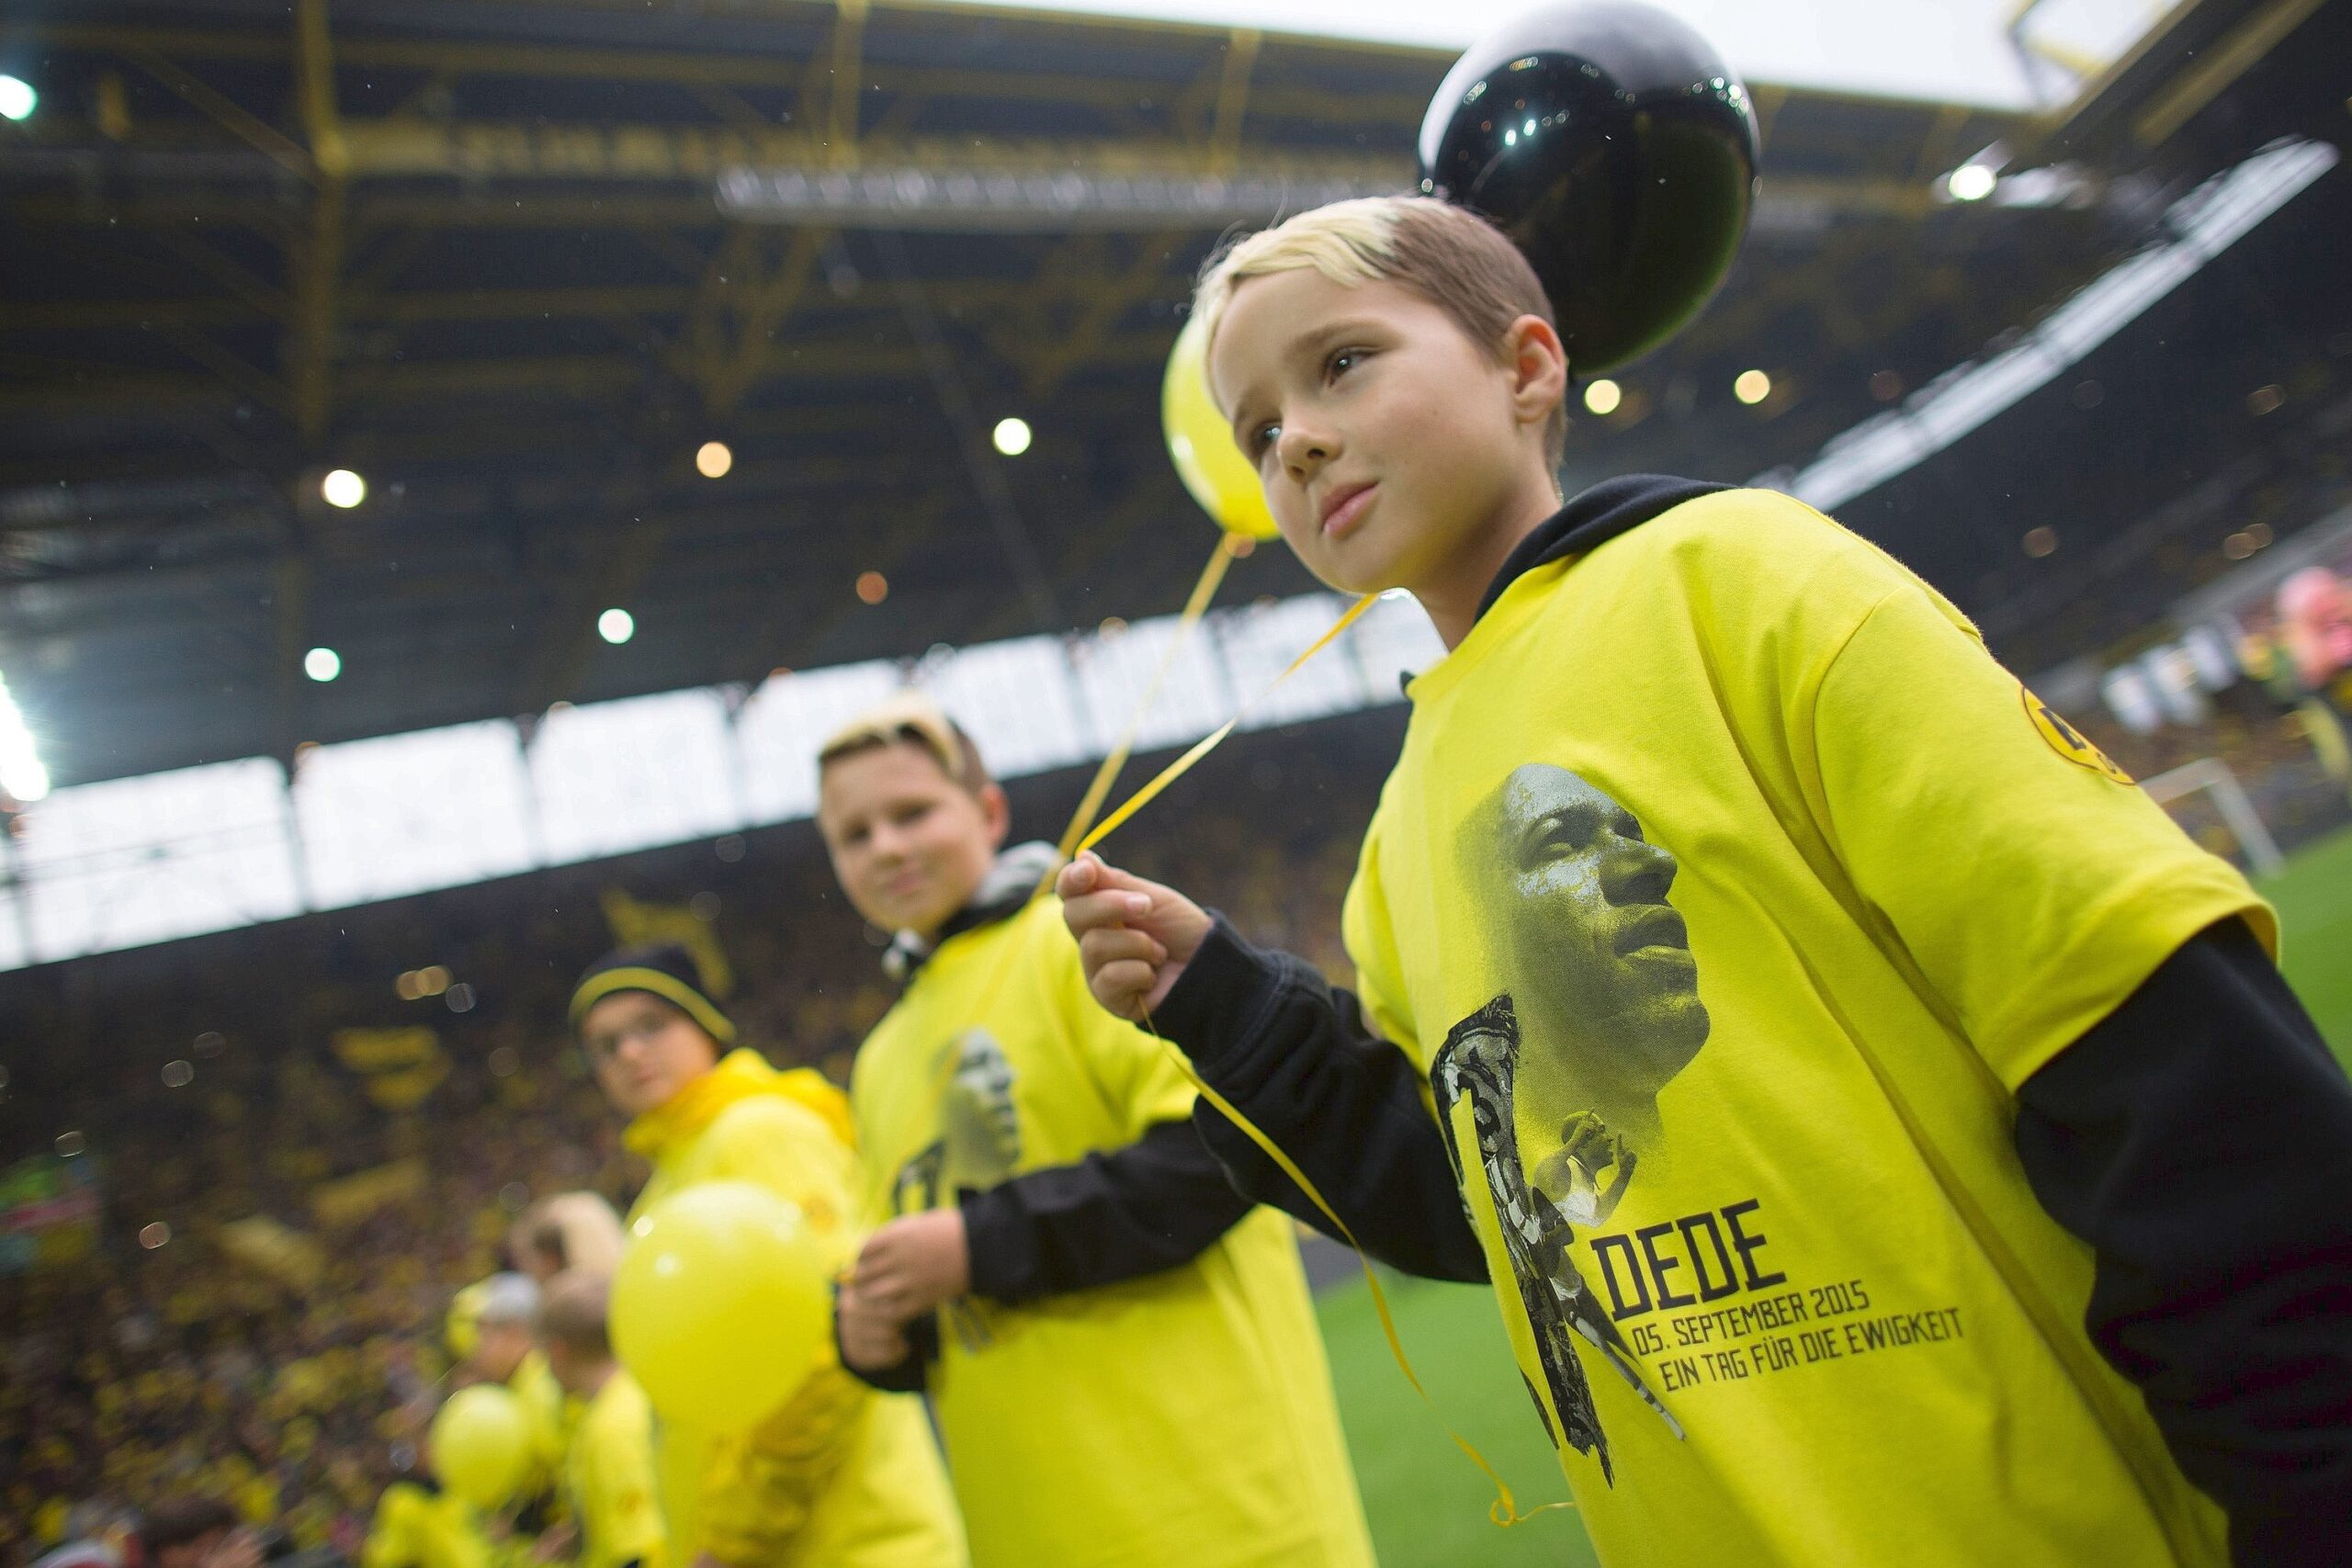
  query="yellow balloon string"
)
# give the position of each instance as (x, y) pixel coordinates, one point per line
(1077, 838)
(1210, 742)
(1228, 549)
(1504, 1510)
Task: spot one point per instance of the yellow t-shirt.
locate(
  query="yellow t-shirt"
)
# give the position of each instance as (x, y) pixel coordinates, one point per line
(417, 1529)
(541, 1398)
(1182, 1417)
(609, 1476)
(1727, 890)
(840, 1476)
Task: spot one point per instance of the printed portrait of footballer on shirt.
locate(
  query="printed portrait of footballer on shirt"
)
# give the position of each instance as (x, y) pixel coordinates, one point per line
(979, 1129)
(1600, 1013)
(1600, 971)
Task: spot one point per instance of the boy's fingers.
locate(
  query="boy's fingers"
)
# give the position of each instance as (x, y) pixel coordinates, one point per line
(1091, 911)
(1122, 985)
(1108, 944)
(1078, 877)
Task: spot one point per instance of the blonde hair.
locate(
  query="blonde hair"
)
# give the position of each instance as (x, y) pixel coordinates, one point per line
(578, 1230)
(575, 1313)
(1447, 254)
(910, 717)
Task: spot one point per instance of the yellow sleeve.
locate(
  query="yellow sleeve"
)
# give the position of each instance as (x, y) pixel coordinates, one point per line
(776, 1143)
(1371, 943)
(1137, 1074)
(762, 1485)
(759, 1487)
(623, 1522)
(2030, 885)
(393, 1535)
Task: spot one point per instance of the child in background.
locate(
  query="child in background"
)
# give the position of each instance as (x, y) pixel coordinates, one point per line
(839, 1476)
(1131, 1371)
(608, 1471)
(1888, 1136)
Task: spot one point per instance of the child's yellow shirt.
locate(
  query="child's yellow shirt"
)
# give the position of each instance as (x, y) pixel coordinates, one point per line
(1726, 890)
(1182, 1417)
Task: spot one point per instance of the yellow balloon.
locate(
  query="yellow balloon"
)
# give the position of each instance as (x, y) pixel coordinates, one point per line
(722, 1304)
(482, 1445)
(1200, 440)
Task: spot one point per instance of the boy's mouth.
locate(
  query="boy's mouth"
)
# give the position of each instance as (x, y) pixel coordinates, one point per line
(1345, 507)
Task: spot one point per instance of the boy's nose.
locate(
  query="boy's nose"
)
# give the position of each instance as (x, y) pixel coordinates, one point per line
(1305, 451)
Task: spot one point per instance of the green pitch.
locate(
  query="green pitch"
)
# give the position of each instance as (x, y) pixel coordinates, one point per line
(1428, 1505)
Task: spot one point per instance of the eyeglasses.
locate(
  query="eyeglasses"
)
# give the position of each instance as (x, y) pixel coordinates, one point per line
(604, 1044)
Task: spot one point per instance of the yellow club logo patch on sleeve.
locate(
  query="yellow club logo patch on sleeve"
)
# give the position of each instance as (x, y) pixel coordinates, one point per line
(2068, 741)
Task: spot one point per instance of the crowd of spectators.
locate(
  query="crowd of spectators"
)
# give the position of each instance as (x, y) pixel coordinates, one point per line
(174, 1358)
(200, 1082)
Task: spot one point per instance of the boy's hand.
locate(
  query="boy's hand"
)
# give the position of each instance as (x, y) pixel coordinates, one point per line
(913, 1264)
(1134, 937)
(871, 1339)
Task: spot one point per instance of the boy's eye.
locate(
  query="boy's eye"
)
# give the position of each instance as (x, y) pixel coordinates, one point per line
(1263, 438)
(1344, 361)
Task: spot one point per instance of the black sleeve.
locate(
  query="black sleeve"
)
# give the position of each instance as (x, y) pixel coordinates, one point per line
(908, 1376)
(1157, 1202)
(2199, 1139)
(1293, 1054)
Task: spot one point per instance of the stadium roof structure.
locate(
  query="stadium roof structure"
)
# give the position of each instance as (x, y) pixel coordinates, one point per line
(483, 254)
(515, 262)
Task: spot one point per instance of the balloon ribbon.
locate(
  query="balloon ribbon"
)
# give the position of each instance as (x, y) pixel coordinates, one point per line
(1083, 834)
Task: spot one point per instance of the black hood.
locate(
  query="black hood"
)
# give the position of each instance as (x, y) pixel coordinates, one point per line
(1594, 517)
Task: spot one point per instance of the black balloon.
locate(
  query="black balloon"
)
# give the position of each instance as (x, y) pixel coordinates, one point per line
(1617, 149)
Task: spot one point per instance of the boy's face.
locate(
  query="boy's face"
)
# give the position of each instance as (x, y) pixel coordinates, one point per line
(643, 1050)
(562, 1364)
(1387, 439)
(501, 1349)
(909, 844)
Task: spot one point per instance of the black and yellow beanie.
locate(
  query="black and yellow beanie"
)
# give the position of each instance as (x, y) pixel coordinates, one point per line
(666, 970)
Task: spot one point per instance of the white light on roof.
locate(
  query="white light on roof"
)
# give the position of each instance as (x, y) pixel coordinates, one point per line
(322, 664)
(1604, 396)
(342, 488)
(17, 98)
(1972, 182)
(22, 773)
(713, 459)
(616, 625)
(1013, 436)
(1752, 387)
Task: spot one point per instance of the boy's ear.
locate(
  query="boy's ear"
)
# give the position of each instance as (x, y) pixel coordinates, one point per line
(1539, 368)
(996, 812)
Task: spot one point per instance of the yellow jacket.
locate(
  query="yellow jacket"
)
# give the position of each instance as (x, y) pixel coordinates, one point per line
(417, 1529)
(535, 1388)
(840, 1476)
(608, 1477)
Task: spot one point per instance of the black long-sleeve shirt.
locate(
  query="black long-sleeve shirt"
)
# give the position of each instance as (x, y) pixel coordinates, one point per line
(1119, 1215)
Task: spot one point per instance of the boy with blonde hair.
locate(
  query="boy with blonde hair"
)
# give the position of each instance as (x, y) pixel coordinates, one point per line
(1828, 1045)
(1129, 1369)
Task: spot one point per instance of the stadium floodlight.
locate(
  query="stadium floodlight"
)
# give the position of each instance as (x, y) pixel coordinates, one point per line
(1752, 387)
(322, 664)
(342, 488)
(713, 459)
(1604, 396)
(1970, 182)
(1012, 436)
(23, 776)
(616, 625)
(17, 100)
